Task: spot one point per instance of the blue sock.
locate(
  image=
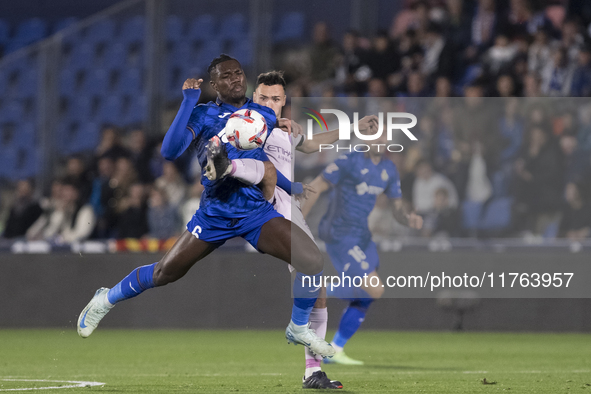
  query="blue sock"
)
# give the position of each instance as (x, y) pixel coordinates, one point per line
(305, 293)
(139, 280)
(351, 320)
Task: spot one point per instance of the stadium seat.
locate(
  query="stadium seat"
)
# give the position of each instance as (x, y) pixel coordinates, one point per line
(174, 28)
(133, 29)
(67, 83)
(79, 109)
(180, 54)
(31, 30)
(24, 136)
(130, 82)
(202, 28)
(88, 137)
(96, 83)
(136, 112)
(115, 57)
(64, 23)
(101, 31)
(233, 27)
(109, 110)
(209, 50)
(471, 212)
(27, 84)
(290, 27)
(497, 215)
(242, 49)
(12, 112)
(82, 57)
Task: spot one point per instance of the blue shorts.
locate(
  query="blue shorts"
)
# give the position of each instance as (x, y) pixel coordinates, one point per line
(217, 230)
(354, 256)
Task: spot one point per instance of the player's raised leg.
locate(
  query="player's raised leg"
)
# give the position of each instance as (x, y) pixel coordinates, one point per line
(186, 251)
(291, 244)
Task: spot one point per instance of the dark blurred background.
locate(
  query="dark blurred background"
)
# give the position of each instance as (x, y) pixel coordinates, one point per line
(87, 91)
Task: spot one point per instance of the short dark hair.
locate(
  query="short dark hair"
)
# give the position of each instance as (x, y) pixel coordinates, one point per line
(271, 78)
(220, 59)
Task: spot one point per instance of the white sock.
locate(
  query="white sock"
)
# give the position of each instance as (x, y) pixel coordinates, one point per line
(318, 322)
(249, 171)
(336, 347)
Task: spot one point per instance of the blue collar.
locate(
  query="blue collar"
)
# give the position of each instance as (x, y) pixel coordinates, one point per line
(220, 103)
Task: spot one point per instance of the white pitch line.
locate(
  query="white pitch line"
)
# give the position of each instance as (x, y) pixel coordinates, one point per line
(75, 384)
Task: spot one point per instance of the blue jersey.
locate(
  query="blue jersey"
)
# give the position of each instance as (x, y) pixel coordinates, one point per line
(226, 197)
(357, 182)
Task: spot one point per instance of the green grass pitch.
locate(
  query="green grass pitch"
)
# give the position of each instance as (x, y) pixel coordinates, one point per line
(171, 361)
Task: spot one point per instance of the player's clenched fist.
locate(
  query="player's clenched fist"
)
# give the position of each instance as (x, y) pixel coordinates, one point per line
(191, 88)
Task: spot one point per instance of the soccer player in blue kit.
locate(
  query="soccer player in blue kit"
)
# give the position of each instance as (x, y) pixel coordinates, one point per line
(355, 180)
(230, 207)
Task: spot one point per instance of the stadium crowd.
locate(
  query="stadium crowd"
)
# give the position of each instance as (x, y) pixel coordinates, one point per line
(525, 151)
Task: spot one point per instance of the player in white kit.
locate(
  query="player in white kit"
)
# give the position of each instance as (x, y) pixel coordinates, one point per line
(270, 92)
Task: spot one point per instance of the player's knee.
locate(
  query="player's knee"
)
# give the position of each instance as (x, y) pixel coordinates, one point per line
(310, 262)
(161, 277)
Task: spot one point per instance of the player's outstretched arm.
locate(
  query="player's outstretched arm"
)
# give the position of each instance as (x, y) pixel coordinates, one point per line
(367, 123)
(320, 185)
(179, 137)
(406, 218)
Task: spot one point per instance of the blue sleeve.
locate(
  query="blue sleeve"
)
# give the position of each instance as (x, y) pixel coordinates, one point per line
(336, 171)
(393, 189)
(179, 136)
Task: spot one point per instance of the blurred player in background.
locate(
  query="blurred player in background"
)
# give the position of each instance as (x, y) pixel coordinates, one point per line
(230, 206)
(355, 180)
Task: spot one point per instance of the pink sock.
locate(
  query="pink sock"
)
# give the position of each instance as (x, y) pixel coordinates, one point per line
(318, 322)
(249, 171)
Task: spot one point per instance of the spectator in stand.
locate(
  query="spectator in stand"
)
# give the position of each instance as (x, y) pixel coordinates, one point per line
(24, 212)
(557, 77)
(511, 129)
(443, 220)
(162, 218)
(191, 205)
(539, 181)
(524, 20)
(101, 194)
(505, 86)
(540, 52)
(499, 58)
(323, 54)
(123, 177)
(484, 24)
(581, 82)
(438, 57)
(172, 184)
(532, 85)
(140, 153)
(575, 159)
(77, 173)
(426, 183)
(381, 58)
(572, 41)
(584, 132)
(133, 220)
(110, 144)
(351, 72)
(69, 221)
(576, 214)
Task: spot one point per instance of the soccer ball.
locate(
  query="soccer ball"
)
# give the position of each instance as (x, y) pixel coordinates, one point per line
(246, 129)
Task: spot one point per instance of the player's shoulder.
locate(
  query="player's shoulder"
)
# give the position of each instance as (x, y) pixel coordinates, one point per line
(389, 165)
